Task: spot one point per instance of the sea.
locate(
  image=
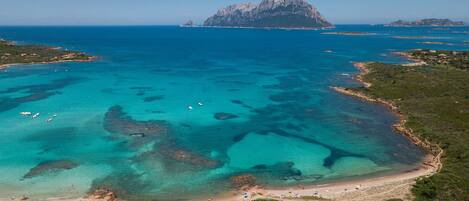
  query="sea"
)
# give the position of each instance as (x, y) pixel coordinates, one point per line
(174, 113)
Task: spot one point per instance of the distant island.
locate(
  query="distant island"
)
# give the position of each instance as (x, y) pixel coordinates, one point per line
(349, 33)
(289, 14)
(427, 22)
(189, 23)
(12, 54)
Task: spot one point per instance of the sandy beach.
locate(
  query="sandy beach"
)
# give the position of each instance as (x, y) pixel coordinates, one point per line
(380, 188)
(396, 185)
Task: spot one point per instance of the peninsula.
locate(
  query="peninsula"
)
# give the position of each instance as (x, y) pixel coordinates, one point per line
(431, 98)
(428, 22)
(13, 54)
(287, 14)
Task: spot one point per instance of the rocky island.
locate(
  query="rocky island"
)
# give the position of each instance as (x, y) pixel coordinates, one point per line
(288, 14)
(427, 22)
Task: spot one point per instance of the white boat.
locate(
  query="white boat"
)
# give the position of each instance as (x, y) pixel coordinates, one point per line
(25, 113)
(49, 120)
(200, 104)
(36, 115)
(190, 107)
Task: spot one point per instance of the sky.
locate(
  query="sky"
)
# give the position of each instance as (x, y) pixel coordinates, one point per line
(173, 12)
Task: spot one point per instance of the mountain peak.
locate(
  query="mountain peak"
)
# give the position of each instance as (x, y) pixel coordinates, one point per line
(270, 14)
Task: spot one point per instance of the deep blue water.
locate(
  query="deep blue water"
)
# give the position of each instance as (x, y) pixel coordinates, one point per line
(261, 105)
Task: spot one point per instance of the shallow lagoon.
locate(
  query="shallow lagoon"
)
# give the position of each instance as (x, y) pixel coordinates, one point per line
(265, 109)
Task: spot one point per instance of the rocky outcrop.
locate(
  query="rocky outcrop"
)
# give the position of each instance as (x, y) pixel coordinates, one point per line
(102, 194)
(269, 14)
(189, 23)
(428, 22)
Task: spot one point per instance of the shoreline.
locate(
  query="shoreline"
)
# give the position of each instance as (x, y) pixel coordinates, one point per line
(393, 185)
(432, 149)
(5, 66)
(263, 28)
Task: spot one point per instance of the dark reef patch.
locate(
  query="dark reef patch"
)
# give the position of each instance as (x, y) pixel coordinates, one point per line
(238, 102)
(153, 98)
(328, 162)
(54, 85)
(177, 158)
(155, 111)
(284, 171)
(180, 154)
(50, 167)
(290, 96)
(118, 122)
(224, 116)
(289, 82)
(35, 92)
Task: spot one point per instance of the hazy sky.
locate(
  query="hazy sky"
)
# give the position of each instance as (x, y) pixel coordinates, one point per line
(164, 12)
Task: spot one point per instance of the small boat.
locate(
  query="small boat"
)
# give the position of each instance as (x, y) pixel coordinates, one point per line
(55, 115)
(345, 74)
(200, 104)
(190, 107)
(36, 115)
(25, 113)
(49, 120)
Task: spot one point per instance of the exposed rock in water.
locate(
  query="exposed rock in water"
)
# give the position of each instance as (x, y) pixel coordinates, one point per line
(50, 167)
(189, 23)
(241, 181)
(225, 116)
(102, 194)
(270, 14)
(428, 22)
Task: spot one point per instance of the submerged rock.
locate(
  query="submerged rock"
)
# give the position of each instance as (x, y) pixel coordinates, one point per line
(153, 98)
(117, 121)
(225, 116)
(49, 167)
(186, 156)
(241, 181)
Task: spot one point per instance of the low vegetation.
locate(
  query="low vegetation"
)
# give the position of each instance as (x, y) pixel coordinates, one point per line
(435, 101)
(11, 53)
(442, 57)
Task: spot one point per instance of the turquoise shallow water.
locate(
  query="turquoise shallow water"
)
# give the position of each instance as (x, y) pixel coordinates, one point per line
(260, 100)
